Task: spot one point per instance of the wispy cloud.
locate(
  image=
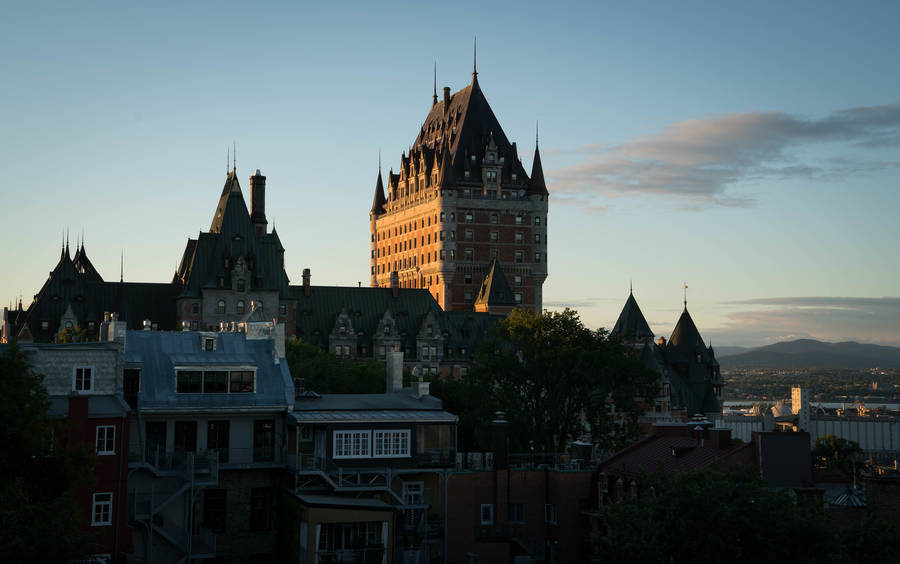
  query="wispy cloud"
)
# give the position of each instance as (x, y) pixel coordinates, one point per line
(698, 160)
(767, 320)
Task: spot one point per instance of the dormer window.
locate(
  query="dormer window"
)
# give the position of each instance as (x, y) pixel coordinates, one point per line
(209, 343)
(491, 157)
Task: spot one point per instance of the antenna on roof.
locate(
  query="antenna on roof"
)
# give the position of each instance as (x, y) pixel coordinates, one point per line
(475, 59)
(434, 99)
(536, 128)
(379, 161)
(227, 159)
(631, 286)
(234, 156)
(122, 266)
(685, 295)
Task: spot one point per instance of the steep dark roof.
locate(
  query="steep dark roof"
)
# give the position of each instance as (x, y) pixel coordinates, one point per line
(379, 200)
(685, 336)
(232, 236)
(495, 289)
(84, 266)
(538, 186)
(631, 323)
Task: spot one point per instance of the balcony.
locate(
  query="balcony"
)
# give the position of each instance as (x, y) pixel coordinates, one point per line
(203, 465)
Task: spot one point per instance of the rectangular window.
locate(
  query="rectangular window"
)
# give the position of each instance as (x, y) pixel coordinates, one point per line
(518, 297)
(186, 436)
(516, 512)
(260, 509)
(537, 257)
(469, 234)
(518, 220)
(443, 254)
(519, 256)
(214, 510)
(487, 513)
(468, 278)
(537, 220)
(470, 254)
(537, 237)
(518, 280)
(467, 297)
(106, 439)
(209, 343)
(218, 438)
(132, 385)
(495, 219)
(83, 379)
(102, 511)
(495, 236)
(550, 513)
(469, 217)
(519, 237)
(452, 254)
(391, 444)
(215, 382)
(282, 308)
(241, 381)
(264, 440)
(188, 381)
(351, 444)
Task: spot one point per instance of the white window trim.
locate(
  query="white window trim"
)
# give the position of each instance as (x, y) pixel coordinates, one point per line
(97, 439)
(403, 432)
(481, 514)
(363, 433)
(75, 370)
(94, 506)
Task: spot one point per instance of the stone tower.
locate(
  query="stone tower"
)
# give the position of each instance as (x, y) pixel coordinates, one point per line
(460, 201)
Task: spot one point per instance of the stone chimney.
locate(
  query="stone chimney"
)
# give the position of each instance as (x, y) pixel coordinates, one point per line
(306, 277)
(446, 98)
(394, 372)
(500, 441)
(395, 283)
(258, 203)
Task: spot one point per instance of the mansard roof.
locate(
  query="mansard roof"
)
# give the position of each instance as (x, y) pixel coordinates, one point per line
(365, 307)
(631, 323)
(495, 289)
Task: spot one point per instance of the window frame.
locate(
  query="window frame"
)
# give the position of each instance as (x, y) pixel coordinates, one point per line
(405, 450)
(481, 514)
(107, 440)
(97, 508)
(365, 436)
(90, 376)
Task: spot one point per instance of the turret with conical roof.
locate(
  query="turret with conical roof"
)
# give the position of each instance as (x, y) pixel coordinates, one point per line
(378, 201)
(631, 325)
(495, 295)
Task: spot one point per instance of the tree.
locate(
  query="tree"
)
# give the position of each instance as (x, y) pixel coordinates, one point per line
(830, 451)
(714, 516)
(40, 521)
(325, 373)
(550, 375)
(73, 335)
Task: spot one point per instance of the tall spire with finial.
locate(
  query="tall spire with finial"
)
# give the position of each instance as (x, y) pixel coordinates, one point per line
(475, 61)
(685, 295)
(234, 156)
(67, 243)
(122, 265)
(434, 99)
(227, 160)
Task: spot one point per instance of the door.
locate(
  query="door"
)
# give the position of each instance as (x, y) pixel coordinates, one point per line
(185, 436)
(217, 439)
(156, 440)
(132, 385)
(320, 451)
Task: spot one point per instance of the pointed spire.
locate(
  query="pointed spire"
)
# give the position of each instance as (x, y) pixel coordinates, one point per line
(122, 266)
(68, 256)
(685, 295)
(434, 99)
(227, 160)
(234, 156)
(538, 185)
(475, 61)
(379, 200)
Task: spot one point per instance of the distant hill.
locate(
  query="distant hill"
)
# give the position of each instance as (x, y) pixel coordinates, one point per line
(809, 353)
(727, 350)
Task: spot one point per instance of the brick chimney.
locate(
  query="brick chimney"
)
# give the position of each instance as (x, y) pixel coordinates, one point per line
(395, 283)
(258, 203)
(306, 277)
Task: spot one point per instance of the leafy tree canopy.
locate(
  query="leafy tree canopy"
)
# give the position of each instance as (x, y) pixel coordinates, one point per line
(40, 520)
(325, 373)
(550, 375)
(714, 516)
(830, 451)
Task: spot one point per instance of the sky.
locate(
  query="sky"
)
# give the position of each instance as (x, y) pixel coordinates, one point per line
(750, 150)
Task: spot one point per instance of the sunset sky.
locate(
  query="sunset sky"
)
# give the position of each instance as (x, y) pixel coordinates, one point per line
(749, 149)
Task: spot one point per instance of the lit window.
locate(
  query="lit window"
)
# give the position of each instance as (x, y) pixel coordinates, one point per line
(102, 511)
(106, 439)
(351, 444)
(388, 444)
(82, 379)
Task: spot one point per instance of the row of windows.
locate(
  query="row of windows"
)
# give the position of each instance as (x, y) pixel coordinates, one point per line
(391, 443)
(468, 297)
(422, 223)
(214, 381)
(516, 513)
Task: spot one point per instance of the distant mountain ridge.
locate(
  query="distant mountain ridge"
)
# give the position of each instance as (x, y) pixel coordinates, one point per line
(809, 353)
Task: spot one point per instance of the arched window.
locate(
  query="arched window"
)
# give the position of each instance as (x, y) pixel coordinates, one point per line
(220, 307)
(240, 306)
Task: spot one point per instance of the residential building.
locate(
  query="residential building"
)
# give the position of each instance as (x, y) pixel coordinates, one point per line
(461, 201)
(370, 473)
(84, 385)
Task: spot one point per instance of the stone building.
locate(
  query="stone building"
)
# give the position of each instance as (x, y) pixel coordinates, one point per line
(460, 201)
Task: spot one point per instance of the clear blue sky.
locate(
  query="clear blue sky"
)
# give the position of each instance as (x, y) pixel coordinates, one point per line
(751, 149)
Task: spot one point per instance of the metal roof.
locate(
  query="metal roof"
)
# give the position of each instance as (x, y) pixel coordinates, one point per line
(374, 416)
(98, 406)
